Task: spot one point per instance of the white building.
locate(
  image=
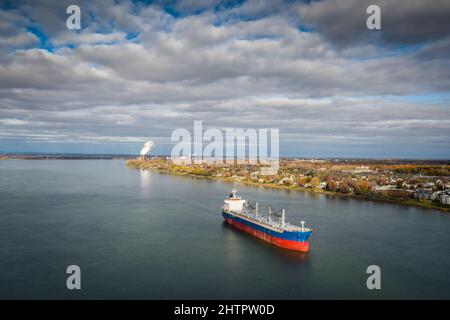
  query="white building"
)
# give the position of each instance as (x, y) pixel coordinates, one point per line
(444, 199)
(423, 194)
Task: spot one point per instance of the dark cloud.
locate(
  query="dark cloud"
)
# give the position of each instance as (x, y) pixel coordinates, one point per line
(402, 21)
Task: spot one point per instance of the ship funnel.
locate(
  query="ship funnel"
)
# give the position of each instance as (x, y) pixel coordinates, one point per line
(303, 225)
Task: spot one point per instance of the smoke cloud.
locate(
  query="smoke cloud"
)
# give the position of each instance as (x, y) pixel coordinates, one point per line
(148, 146)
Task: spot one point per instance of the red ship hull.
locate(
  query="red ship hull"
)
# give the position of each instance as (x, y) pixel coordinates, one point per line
(301, 246)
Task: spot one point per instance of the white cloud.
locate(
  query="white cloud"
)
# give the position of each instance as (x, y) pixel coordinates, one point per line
(13, 122)
(86, 37)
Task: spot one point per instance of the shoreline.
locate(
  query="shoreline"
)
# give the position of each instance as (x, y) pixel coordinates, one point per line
(402, 202)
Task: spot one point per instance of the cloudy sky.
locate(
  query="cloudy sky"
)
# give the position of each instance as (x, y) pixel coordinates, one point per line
(138, 70)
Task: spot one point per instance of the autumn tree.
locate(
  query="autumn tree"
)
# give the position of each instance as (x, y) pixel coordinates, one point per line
(315, 182)
(361, 186)
(332, 185)
(302, 181)
(344, 187)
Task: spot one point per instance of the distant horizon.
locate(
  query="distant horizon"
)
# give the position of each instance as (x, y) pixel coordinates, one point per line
(43, 153)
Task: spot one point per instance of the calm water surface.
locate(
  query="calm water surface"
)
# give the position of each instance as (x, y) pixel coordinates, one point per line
(139, 234)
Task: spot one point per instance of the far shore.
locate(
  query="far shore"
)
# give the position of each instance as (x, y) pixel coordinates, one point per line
(138, 164)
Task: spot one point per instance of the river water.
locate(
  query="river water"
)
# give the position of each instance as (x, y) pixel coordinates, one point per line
(140, 234)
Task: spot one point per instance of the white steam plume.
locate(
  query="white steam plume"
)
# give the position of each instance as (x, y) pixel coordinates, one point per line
(148, 146)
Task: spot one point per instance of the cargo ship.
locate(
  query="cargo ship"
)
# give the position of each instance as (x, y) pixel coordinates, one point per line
(271, 228)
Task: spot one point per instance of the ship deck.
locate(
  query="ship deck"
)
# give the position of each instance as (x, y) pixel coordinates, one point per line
(272, 222)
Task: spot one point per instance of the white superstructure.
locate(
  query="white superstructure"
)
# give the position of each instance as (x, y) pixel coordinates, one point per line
(234, 203)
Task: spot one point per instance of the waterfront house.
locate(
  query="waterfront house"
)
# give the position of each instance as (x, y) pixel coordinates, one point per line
(444, 199)
(435, 196)
(423, 194)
